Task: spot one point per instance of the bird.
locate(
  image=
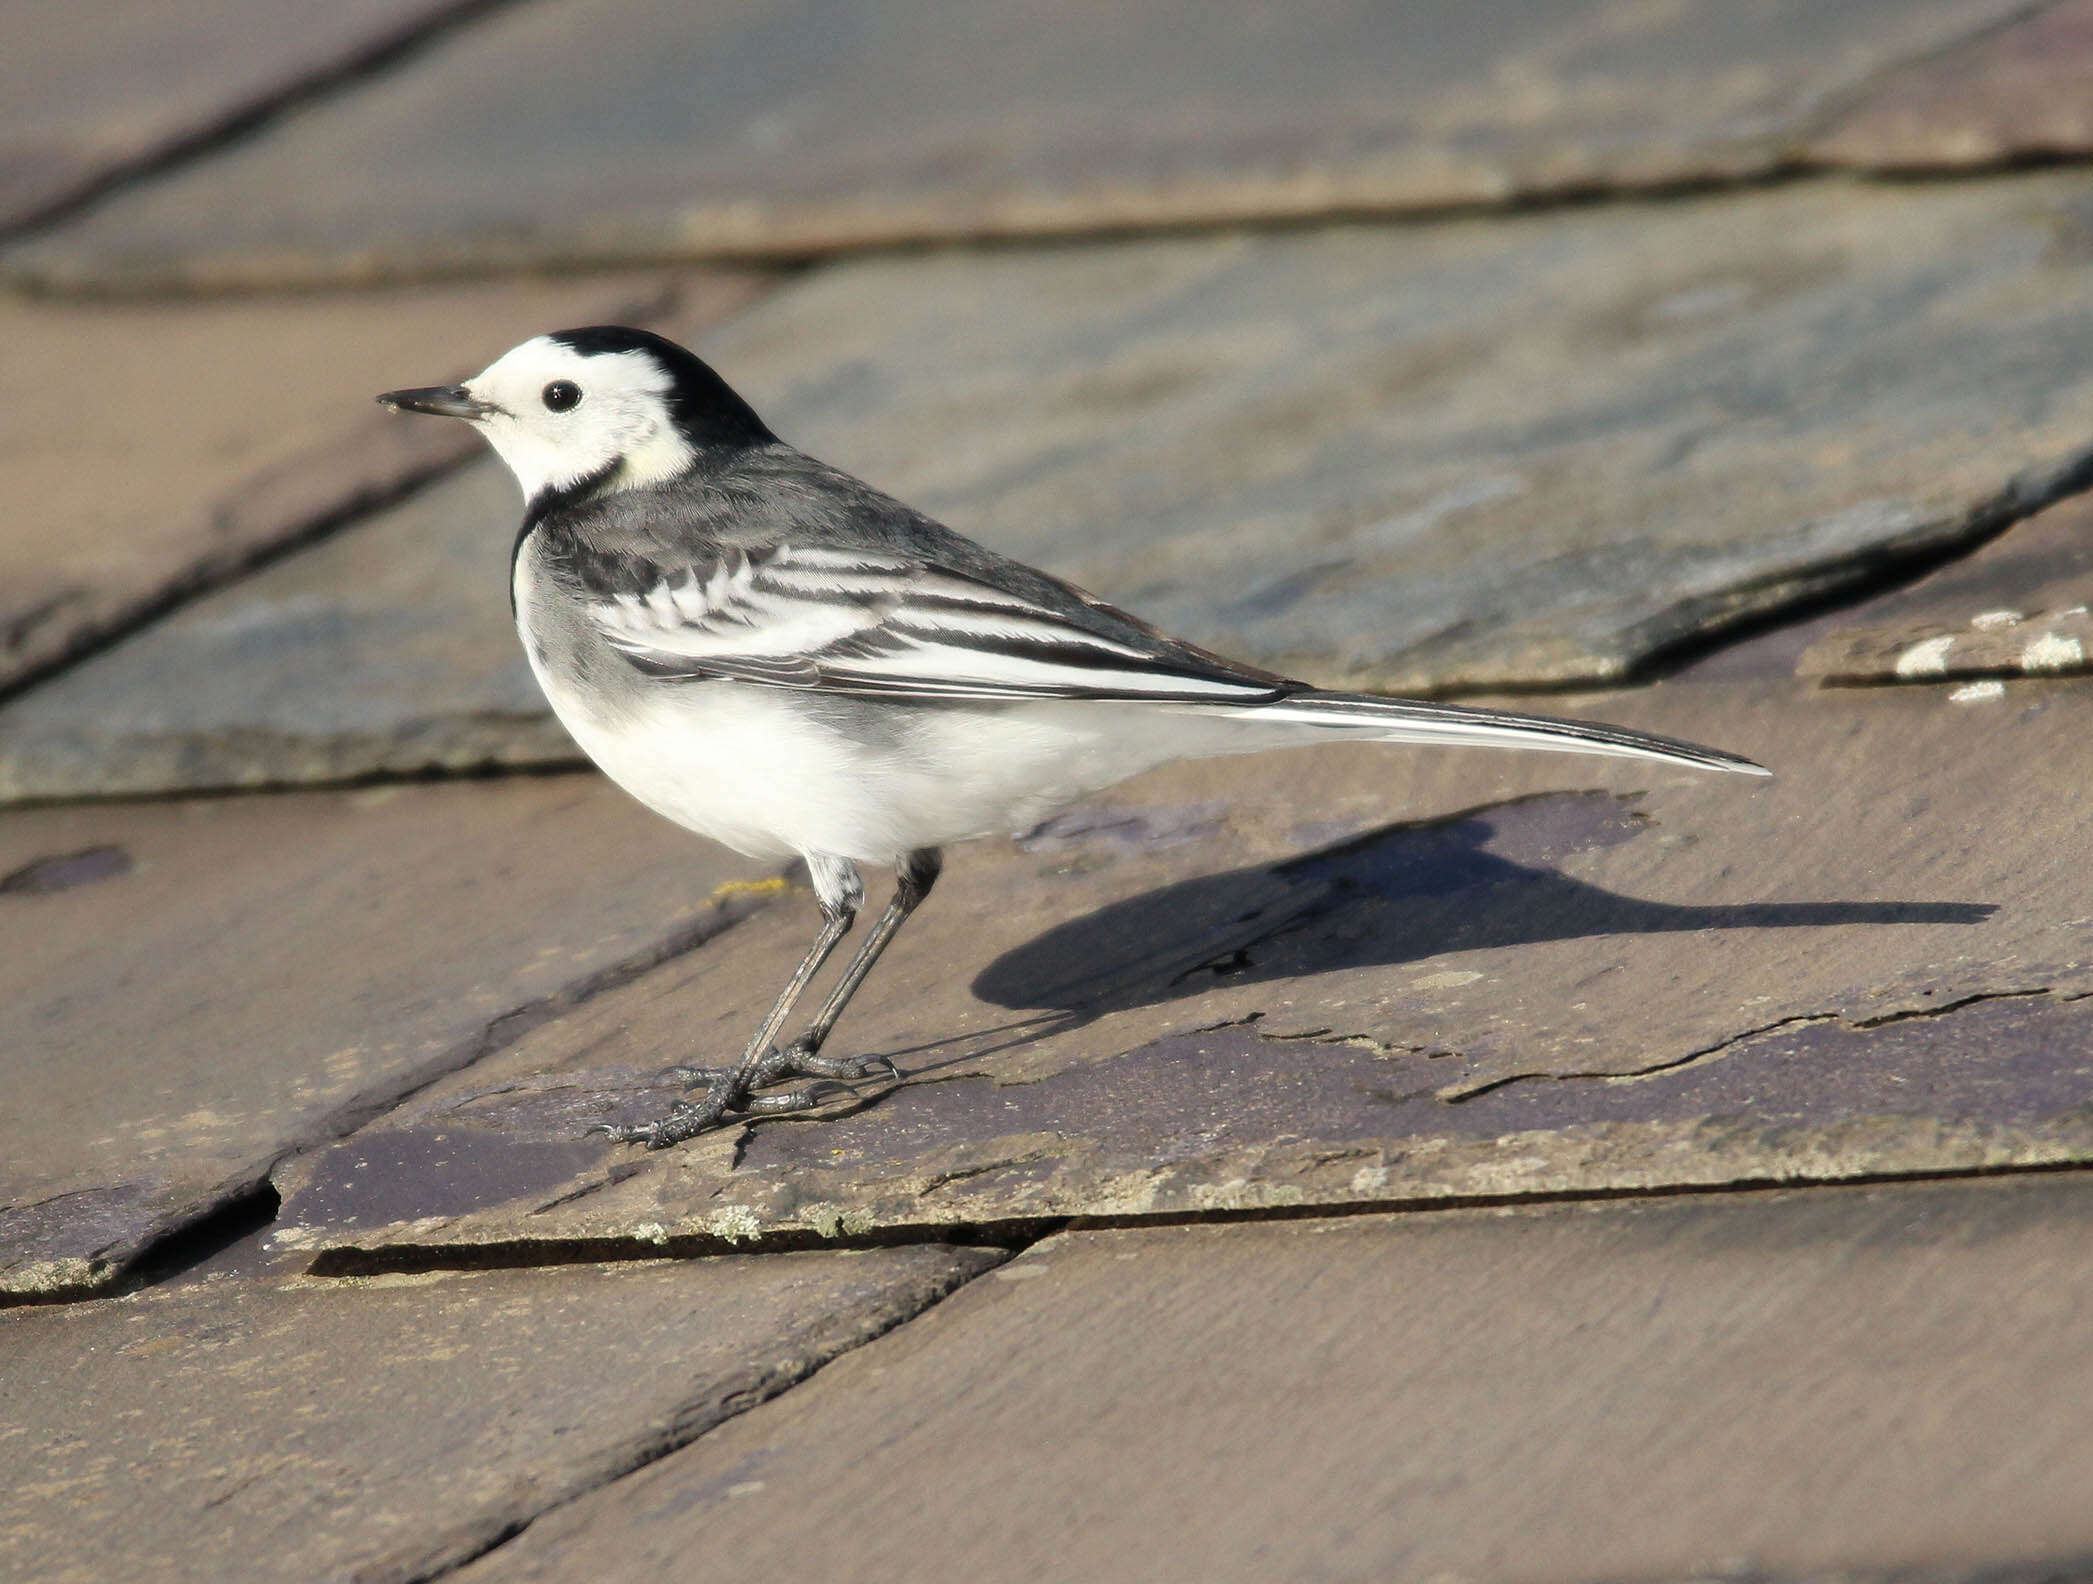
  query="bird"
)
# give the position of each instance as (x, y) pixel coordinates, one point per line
(780, 657)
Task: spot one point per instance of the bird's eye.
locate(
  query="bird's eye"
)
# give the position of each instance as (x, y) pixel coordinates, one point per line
(561, 395)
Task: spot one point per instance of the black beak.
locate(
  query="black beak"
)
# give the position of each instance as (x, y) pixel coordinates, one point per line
(445, 401)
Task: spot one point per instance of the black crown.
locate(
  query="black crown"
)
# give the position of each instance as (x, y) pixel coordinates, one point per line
(704, 407)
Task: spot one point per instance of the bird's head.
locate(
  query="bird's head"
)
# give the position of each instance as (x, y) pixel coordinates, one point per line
(605, 408)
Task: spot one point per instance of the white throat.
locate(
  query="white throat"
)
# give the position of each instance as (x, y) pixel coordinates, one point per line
(652, 457)
(617, 425)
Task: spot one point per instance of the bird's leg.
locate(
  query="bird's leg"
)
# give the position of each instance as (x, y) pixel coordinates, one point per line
(840, 891)
(913, 878)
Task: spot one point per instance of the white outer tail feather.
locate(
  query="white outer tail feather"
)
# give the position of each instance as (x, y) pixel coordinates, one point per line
(1461, 726)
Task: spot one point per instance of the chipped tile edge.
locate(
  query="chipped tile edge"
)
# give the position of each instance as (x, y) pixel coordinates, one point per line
(1323, 1178)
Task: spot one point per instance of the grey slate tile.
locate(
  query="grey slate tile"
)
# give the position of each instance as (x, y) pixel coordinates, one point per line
(168, 446)
(97, 88)
(1490, 453)
(609, 130)
(386, 1430)
(190, 990)
(1515, 453)
(1835, 1384)
(386, 648)
(381, 650)
(1238, 985)
(2014, 92)
(2016, 607)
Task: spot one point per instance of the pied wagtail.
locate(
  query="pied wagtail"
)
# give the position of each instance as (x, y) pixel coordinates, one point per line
(776, 655)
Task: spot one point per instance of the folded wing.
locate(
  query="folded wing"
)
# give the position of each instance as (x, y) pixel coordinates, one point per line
(871, 623)
(866, 622)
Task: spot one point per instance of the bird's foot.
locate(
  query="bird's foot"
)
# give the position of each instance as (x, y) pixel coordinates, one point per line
(797, 1060)
(724, 1099)
(688, 1118)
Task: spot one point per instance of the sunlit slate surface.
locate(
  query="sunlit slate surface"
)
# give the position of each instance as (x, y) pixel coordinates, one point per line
(267, 1431)
(1350, 976)
(1498, 453)
(2018, 607)
(89, 90)
(387, 648)
(1883, 1384)
(2022, 91)
(190, 990)
(154, 449)
(613, 129)
(1511, 453)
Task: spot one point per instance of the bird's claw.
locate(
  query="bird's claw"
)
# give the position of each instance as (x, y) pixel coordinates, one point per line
(688, 1118)
(723, 1097)
(797, 1060)
(685, 1119)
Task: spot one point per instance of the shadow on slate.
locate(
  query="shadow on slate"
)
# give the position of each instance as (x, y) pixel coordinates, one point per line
(1792, 980)
(1403, 893)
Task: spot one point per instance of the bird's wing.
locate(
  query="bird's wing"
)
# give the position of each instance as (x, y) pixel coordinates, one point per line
(878, 623)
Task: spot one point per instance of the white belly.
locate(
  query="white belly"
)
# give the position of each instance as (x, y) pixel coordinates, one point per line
(730, 763)
(771, 772)
(752, 768)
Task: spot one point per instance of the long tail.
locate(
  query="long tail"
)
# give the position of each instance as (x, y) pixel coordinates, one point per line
(1456, 725)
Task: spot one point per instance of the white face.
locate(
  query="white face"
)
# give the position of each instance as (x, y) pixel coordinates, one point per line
(622, 416)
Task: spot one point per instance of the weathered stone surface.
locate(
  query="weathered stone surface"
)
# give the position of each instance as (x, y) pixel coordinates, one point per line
(190, 990)
(384, 649)
(1997, 643)
(1235, 985)
(223, 432)
(91, 91)
(2021, 91)
(1519, 452)
(1794, 1385)
(737, 130)
(2014, 608)
(1492, 453)
(386, 1430)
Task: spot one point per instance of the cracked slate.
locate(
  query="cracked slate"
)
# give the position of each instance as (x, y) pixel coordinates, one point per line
(225, 431)
(391, 1429)
(735, 130)
(263, 974)
(1519, 452)
(91, 91)
(1306, 1006)
(1831, 1385)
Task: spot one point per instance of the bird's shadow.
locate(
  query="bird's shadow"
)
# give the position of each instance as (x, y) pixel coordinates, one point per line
(1398, 894)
